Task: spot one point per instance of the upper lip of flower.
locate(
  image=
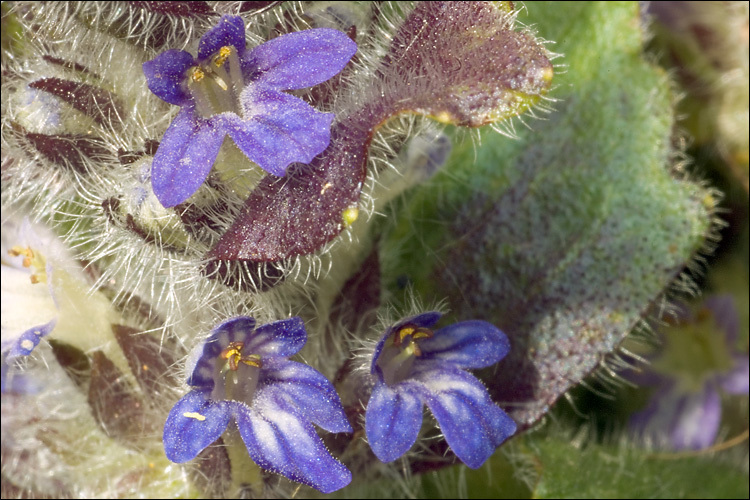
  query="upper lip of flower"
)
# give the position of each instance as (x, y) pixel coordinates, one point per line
(436, 376)
(271, 128)
(276, 411)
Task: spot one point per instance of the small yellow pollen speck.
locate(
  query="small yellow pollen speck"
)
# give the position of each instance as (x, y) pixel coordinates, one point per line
(547, 74)
(326, 187)
(445, 117)
(27, 345)
(709, 201)
(192, 414)
(144, 368)
(197, 74)
(34, 279)
(350, 215)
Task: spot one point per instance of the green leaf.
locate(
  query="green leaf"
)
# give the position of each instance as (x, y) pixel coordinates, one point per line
(623, 472)
(565, 236)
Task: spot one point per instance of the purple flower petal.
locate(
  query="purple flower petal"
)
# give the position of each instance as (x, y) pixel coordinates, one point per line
(468, 344)
(277, 129)
(737, 381)
(725, 316)
(165, 75)
(472, 423)
(279, 439)
(279, 339)
(306, 389)
(185, 156)
(28, 340)
(298, 60)
(230, 30)
(194, 423)
(393, 419)
(679, 420)
(233, 330)
(697, 420)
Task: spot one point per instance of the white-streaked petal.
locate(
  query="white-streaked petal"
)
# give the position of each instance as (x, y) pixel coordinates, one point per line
(280, 440)
(472, 423)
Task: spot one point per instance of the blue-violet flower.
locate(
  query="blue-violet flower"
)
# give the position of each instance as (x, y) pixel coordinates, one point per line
(700, 360)
(243, 373)
(229, 89)
(413, 365)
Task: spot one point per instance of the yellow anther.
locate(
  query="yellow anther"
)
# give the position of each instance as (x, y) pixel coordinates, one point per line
(252, 360)
(233, 355)
(222, 56)
(422, 333)
(31, 259)
(27, 252)
(197, 74)
(416, 332)
(403, 333)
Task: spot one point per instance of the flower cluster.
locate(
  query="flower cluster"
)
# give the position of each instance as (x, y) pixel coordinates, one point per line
(241, 373)
(231, 90)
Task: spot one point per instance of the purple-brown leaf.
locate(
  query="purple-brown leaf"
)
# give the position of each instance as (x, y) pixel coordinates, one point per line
(95, 102)
(148, 360)
(116, 408)
(459, 62)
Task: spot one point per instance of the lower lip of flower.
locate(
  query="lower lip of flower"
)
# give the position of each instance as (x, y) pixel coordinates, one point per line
(215, 85)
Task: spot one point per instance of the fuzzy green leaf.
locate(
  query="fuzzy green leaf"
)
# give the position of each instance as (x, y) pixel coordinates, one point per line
(459, 62)
(621, 472)
(565, 236)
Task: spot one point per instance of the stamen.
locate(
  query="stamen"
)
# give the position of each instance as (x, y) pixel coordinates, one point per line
(222, 56)
(253, 360)
(197, 74)
(416, 332)
(27, 252)
(31, 259)
(216, 86)
(233, 355)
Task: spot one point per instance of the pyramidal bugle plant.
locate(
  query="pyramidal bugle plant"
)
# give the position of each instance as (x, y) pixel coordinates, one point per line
(201, 295)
